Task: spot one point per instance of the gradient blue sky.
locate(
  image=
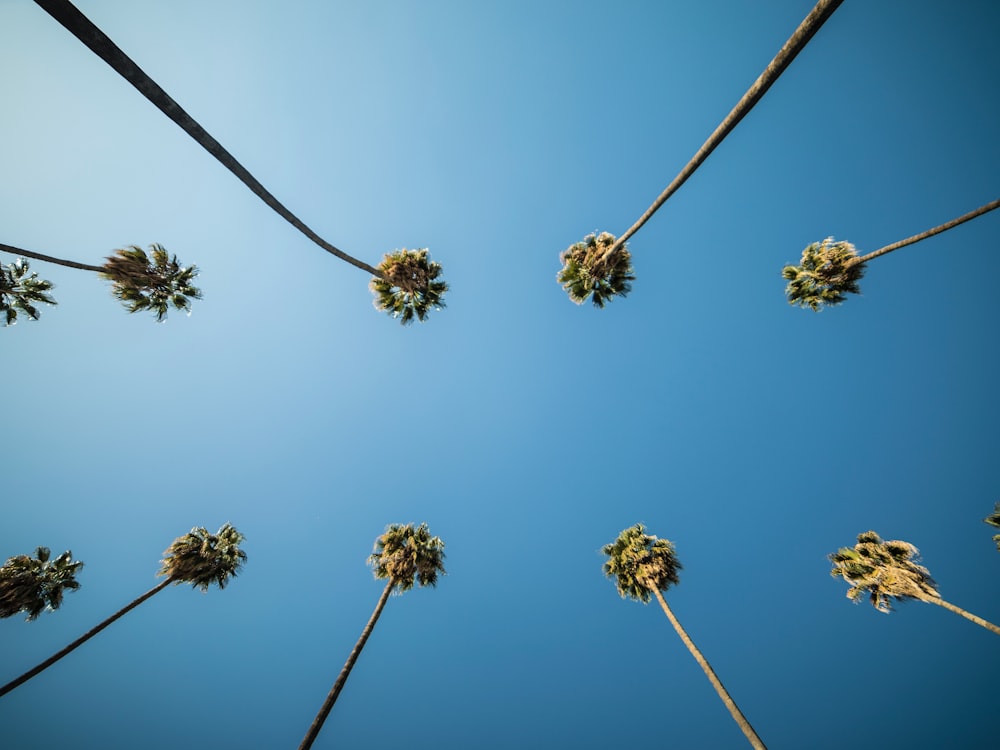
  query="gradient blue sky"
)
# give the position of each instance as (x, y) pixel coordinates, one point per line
(526, 431)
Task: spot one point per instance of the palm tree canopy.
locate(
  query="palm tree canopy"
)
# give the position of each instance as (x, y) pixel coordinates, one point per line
(593, 269)
(32, 585)
(18, 291)
(638, 561)
(406, 554)
(151, 282)
(885, 570)
(993, 519)
(409, 287)
(200, 558)
(829, 271)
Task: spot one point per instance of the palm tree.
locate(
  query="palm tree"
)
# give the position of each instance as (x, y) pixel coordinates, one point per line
(795, 44)
(140, 281)
(101, 45)
(644, 566)
(887, 571)
(34, 584)
(19, 291)
(402, 555)
(198, 558)
(831, 270)
(589, 272)
(993, 519)
(407, 287)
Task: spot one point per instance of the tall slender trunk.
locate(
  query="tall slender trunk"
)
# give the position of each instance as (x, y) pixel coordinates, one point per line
(331, 697)
(929, 233)
(959, 611)
(49, 259)
(83, 638)
(99, 43)
(741, 720)
(795, 44)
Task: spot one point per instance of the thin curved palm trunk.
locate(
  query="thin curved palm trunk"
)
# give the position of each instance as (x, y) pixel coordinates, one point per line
(49, 259)
(99, 43)
(929, 233)
(331, 697)
(83, 638)
(795, 44)
(959, 611)
(741, 720)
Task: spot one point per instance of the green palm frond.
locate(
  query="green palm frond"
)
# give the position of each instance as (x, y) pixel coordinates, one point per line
(32, 585)
(151, 282)
(409, 287)
(638, 562)
(829, 271)
(19, 291)
(404, 554)
(885, 570)
(993, 519)
(590, 271)
(201, 559)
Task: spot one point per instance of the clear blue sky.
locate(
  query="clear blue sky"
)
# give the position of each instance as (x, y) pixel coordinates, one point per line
(526, 431)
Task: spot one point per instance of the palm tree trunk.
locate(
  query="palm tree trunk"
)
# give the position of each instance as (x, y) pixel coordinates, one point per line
(331, 697)
(795, 44)
(741, 720)
(83, 638)
(49, 259)
(929, 233)
(959, 611)
(99, 43)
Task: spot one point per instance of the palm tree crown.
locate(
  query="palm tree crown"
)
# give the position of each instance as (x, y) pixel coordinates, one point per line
(408, 287)
(200, 558)
(32, 585)
(150, 282)
(885, 570)
(639, 562)
(405, 554)
(19, 291)
(829, 271)
(595, 268)
(993, 519)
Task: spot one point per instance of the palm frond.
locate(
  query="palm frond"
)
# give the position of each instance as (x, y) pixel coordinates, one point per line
(408, 288)
(35, 584)
(406, 554)
(151, 282)
(201, 558)
(829, 271)
(639, 562)
(19, 290)
(885, 570)
(591, 271)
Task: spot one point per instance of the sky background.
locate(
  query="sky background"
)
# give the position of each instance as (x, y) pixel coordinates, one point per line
(526, 431)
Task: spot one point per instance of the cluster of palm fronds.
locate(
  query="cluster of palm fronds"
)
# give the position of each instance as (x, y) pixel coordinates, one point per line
(407, 286)
(597, 269)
